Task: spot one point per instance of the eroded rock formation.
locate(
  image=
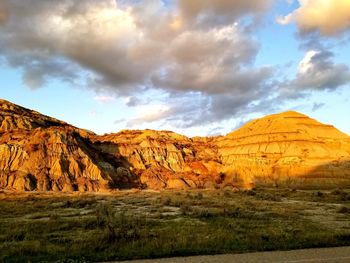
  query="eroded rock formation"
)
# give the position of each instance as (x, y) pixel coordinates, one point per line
(40, 153)
(289, 149)
(164, 159)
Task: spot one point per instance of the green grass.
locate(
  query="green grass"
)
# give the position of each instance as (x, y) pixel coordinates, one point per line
(131, 225)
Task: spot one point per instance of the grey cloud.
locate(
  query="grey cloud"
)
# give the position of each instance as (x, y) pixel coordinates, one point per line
(122, 50)
(36, 73)
(185, 79)
(317, 106)
(133, 101)
(198, 109)
(3, 16)
(120, 47)
(219, 11)
(72, 30)
(316, 34)
(323, 73)
(212, 62)
(316, 72)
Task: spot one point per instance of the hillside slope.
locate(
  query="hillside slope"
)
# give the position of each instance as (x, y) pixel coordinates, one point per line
(288, 149)
(41, 153)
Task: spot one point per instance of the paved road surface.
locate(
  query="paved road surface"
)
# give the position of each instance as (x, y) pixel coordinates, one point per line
(322, 255)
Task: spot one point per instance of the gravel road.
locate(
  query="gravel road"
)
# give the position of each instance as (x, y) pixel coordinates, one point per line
(323, 255)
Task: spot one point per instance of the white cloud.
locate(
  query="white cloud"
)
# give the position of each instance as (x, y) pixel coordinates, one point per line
(149, 113)
(329, 17)
(104, 98)
(305, 65)
(121, 46)
(316, 72)
(124, 52)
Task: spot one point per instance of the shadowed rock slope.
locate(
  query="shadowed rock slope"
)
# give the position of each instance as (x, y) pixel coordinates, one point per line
(164, 159)
(289, 149)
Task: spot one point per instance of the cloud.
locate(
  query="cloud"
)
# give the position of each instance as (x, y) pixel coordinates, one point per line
(317, 71)
(120, 45)
(198, 110)
(199, 55)
(317, 106)
(211, 62)
(328, 17)
(104, 98)
(3, 15)
(37, 72)
(318, 21)
(150, 113)
(221, 10)
(206, 70)
(93, 35)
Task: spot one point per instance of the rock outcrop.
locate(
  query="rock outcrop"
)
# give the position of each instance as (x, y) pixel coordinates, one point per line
(14, 117)
(288, 149)
(41, 153)
(164, 159)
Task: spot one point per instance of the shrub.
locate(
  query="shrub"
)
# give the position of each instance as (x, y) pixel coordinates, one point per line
(185, 209)
(337, 192)
(344, 210)
(251, 192)
(117, 227)
(318, 194)
(167, 201)
(199, 196)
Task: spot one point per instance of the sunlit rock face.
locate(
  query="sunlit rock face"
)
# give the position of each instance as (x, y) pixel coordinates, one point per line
(14, 117)
(287, 149)
(39, 153)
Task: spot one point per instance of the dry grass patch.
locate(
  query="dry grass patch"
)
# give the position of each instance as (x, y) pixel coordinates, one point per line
(130, 225)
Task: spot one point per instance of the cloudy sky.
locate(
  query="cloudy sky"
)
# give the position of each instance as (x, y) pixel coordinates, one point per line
(198, 67)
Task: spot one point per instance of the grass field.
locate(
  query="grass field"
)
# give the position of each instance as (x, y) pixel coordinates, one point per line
(147, 224)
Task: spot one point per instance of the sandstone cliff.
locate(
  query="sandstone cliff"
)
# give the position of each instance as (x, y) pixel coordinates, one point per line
(288, 149)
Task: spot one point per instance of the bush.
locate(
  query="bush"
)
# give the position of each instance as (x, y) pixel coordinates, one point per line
(199, 196)
(117, 227)
(337, 192)
(318, 194)
(344, 210)
(167, 201)
(185, 209)
(345, 197)
(251, 192)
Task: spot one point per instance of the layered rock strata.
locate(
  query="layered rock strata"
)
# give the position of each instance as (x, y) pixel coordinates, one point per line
(39, 153)
(287, 149)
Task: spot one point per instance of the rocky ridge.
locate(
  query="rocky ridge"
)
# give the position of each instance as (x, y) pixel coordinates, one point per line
(41, 153)
(288, 149)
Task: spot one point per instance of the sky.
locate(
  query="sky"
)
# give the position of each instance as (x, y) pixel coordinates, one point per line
(196, 67)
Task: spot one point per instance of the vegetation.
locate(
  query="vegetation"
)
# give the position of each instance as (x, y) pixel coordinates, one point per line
(129, 225)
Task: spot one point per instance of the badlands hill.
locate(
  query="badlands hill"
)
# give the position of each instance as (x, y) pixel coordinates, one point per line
(288, 150)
